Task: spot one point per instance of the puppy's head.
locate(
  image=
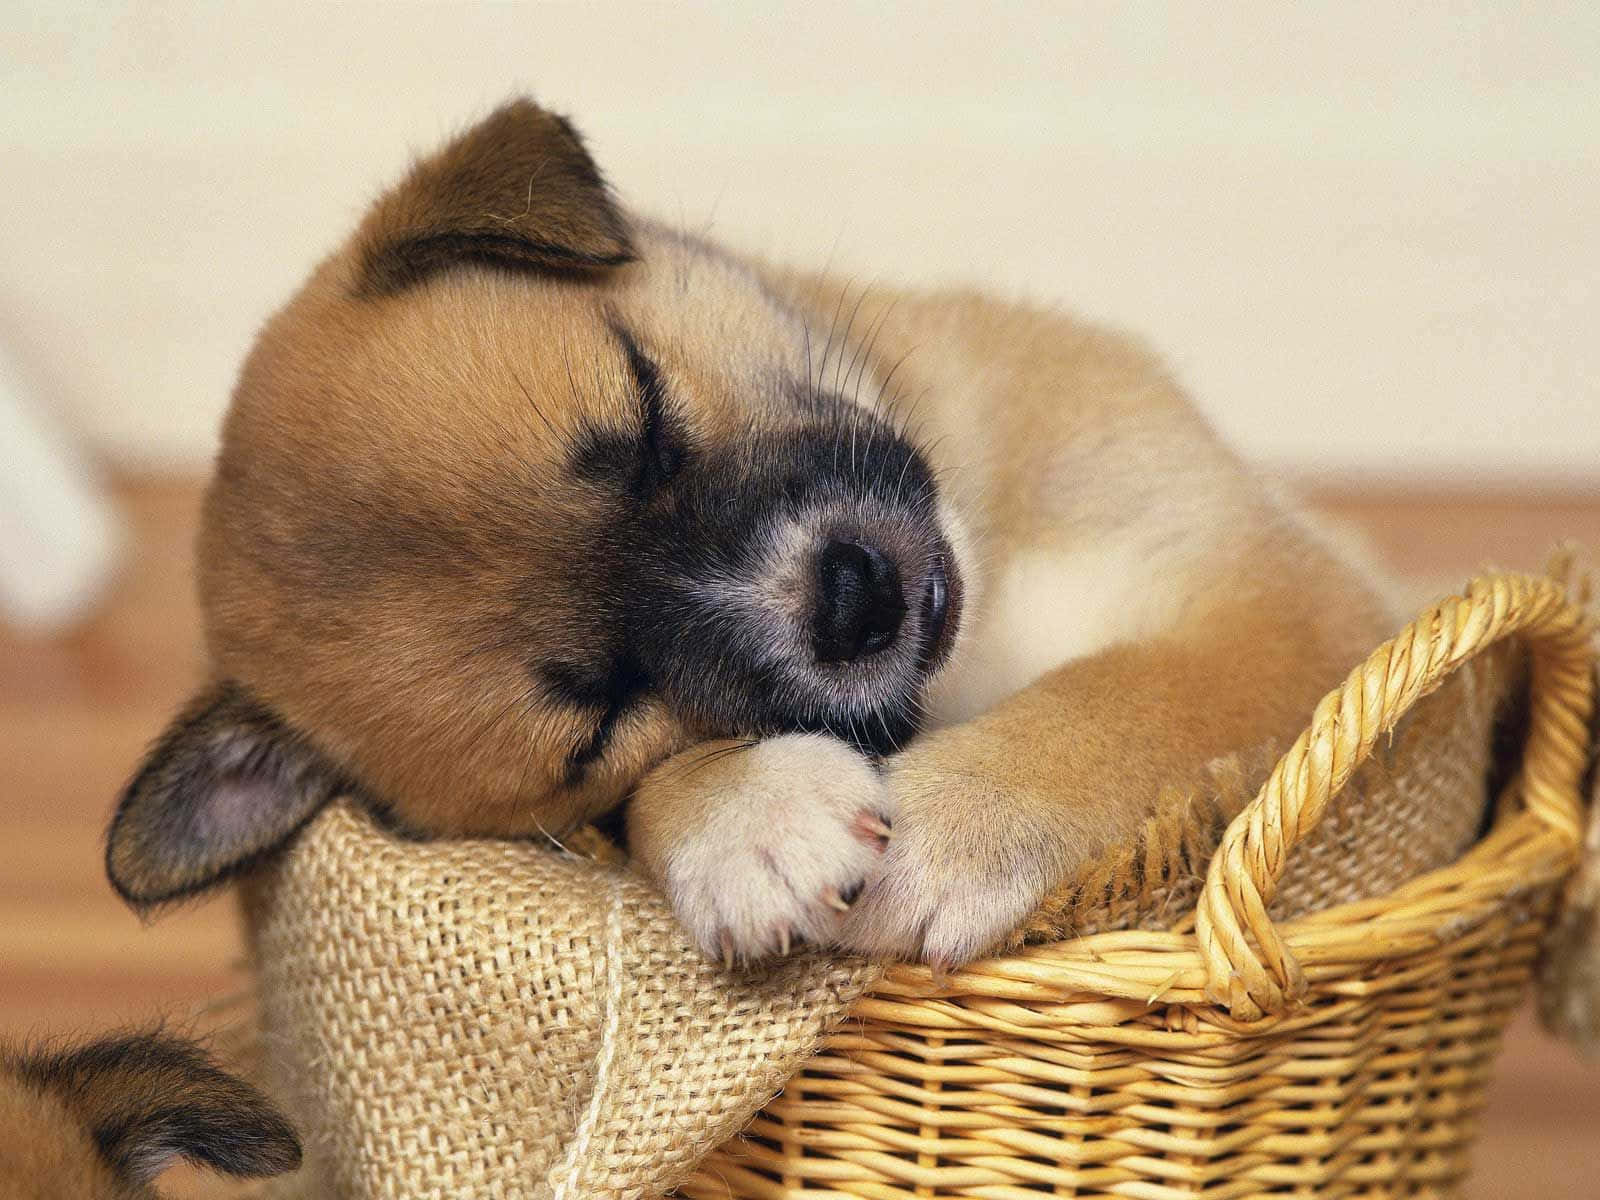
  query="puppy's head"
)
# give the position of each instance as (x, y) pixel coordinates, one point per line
(99, 1122)
(517, 497)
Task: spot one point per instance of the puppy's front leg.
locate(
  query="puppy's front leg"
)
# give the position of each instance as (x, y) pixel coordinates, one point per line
(995, 812)
(759, 845)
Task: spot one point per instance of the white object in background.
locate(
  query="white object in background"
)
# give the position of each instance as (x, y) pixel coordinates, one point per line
(60, 538)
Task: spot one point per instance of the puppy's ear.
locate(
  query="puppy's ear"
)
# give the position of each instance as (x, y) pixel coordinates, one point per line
(226, 783)
(148, 1100)
(517, 190)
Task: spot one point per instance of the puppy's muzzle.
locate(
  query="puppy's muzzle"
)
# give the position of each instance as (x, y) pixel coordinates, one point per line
(860, 604)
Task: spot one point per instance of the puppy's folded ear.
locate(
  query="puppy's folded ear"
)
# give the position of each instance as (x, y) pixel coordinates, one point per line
(517, 190)
(226, 783)
(148, 1100)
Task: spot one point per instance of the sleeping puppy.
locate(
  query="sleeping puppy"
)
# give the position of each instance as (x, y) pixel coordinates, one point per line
(101, 1121)
(882, 611)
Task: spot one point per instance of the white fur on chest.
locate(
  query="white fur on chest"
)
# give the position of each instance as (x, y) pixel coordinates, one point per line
(1045, 608)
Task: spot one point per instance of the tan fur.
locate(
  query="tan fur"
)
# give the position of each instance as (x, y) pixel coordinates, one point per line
(394, 536)
(97, 1122)
(46, 1153)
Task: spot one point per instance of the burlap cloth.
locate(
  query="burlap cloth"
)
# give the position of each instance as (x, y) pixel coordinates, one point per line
(505, 1020)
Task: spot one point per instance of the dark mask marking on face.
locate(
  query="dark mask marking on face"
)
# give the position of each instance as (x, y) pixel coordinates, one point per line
(663, 454)
(653, 578)
(610, 695)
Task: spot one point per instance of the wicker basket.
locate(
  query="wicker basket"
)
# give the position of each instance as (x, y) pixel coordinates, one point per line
(1344, 1053)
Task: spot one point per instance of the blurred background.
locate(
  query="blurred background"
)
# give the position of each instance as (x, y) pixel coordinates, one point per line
(1367, 237)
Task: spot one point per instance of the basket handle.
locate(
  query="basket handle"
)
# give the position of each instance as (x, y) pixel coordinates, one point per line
(1248, 968)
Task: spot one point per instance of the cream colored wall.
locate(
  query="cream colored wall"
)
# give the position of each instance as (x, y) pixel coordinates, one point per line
(1369, 240)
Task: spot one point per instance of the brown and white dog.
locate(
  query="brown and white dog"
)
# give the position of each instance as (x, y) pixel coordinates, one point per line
(101, 1121)
(527, 507)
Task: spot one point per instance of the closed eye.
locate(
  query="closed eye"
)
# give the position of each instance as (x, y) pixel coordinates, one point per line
(661, 455)
(641, 462)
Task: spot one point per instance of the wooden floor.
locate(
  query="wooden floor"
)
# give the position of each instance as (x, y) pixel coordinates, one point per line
(75, 713)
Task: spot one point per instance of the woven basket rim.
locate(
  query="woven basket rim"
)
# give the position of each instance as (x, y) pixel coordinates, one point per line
(1101, 979)
(1519, 854)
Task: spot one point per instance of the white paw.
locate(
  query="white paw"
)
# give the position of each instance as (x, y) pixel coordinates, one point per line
(958, 877)
(797, 824)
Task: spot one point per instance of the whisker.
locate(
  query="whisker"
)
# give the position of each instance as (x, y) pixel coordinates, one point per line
(811, 391)
(711, 756)
(866, 356)
(572, 383)
(833, 324)
(844, 338)
(916, 403)
(562, 436)
(877, 405)
(517, 701)
(529, 758)
(899, 484)
(864, 349)
(888, 737)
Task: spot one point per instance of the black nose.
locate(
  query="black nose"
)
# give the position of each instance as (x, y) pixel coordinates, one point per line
(860, 604)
